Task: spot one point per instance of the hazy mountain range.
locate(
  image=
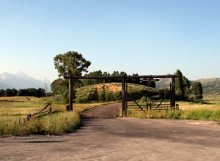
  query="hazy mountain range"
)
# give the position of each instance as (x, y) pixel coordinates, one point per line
(21, 81)
(211, 86)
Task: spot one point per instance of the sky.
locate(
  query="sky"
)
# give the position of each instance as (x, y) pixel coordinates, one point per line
(136, 36)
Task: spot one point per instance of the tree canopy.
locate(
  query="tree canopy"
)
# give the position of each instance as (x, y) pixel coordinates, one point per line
(197, 90)
(186, 90)
(71, 63)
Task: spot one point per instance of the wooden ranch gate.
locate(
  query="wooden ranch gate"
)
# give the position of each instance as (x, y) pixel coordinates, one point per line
(124, 80)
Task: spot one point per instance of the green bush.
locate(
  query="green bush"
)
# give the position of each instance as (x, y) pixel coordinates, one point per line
(102, 95)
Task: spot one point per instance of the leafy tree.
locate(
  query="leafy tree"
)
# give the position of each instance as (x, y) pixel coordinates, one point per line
(179, 84)
(40, 92)
(71, 63)
(102, 94)
(11, 92)
(93, 95)
(115, 74)
(122, 73)
(184, 91)
(32, 92)
(106, 74)
(2, 92)
(197, 90)
(94, 81)
(59, 88)
(182, 86)
(186, 87)
(134, 80)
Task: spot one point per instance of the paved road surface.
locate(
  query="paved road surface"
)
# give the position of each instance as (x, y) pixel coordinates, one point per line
(125, 139)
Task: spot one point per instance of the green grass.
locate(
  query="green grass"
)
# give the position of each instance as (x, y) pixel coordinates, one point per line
(195, 114)
(13, 109)
(210, 110)
(57, 123)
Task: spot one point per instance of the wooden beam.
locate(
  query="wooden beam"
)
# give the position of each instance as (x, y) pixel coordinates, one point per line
(149, 80)
(120, 77)
(124, 97)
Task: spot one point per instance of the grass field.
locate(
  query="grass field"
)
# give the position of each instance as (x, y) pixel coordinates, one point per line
(59, 121)
(13, 109)
(210, 110)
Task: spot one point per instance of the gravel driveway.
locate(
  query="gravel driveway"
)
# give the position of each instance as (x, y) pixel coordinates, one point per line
(126, 139)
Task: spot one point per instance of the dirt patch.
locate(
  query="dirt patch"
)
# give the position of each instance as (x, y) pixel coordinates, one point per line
(104, 138)
(112, 87)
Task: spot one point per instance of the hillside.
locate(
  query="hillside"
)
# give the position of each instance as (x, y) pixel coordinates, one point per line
(163, 83)
(211, 87)
(112, 92)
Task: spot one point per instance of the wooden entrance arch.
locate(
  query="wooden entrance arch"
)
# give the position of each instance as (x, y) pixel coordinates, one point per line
(124, 81)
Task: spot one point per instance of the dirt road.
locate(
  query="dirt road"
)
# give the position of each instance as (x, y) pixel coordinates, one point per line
(125, 139)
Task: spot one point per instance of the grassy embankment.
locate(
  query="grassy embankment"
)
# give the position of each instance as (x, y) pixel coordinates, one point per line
(188, 111)
(58, 122)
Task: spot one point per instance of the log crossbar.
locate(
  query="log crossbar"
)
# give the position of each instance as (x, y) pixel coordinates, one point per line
(124, 80)
(120, 77)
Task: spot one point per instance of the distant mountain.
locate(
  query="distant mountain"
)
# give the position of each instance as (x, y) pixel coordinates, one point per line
(163, 83)
(20, 80)
(211, 86)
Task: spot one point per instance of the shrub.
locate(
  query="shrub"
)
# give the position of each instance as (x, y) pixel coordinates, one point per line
(102, 95)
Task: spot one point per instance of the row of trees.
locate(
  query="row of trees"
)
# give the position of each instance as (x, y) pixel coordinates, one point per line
(23, 92)
(186, 90)
(149, 83)
(102, 95)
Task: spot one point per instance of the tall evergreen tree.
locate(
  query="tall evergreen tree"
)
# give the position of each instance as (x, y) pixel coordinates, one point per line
(179, 84)
(197, 90)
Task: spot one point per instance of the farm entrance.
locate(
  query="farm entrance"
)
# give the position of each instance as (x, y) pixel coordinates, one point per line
(124, 94)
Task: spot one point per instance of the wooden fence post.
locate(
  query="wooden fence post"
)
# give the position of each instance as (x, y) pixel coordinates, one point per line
(172, 93)
(126, 97)
(70, 95)
(124, 113)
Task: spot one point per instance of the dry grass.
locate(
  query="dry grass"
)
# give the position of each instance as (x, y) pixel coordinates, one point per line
(112, 87)
(188, 110)
(58, 122)
(210, 104)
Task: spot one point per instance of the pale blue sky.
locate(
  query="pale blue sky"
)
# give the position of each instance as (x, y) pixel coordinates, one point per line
(135, 36)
